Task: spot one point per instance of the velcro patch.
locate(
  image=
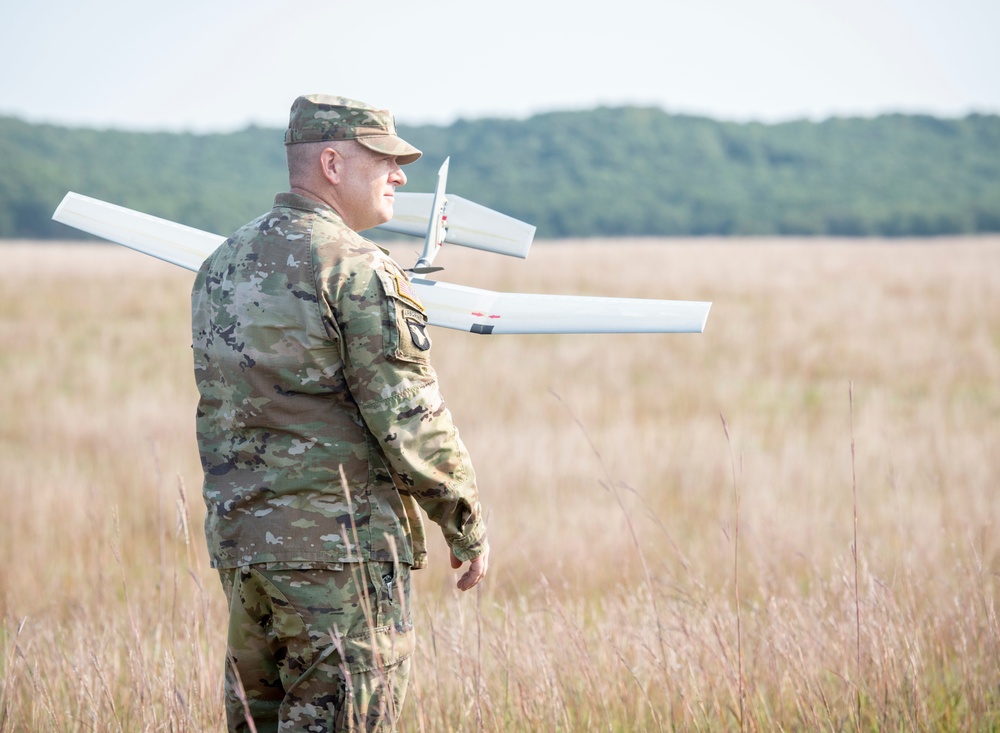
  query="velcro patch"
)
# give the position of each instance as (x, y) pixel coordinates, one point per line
(407, 293)
(418, 334)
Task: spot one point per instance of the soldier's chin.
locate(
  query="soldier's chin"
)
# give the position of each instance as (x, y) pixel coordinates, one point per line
(387, 211)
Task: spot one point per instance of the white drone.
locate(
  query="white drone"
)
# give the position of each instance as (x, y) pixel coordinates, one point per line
(439, 218)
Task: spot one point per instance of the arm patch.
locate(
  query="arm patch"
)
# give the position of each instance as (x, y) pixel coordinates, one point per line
(405, 320)
(405, 290)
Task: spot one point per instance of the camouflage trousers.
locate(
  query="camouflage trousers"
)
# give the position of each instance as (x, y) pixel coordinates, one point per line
(318, 649)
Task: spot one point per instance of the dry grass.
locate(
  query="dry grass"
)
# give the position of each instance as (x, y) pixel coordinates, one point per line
(610, 480)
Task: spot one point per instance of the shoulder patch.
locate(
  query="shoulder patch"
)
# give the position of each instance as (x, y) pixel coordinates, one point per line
(406, 292)
(418, 334)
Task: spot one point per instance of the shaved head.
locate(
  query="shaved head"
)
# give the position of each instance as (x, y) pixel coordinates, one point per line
(304, 165)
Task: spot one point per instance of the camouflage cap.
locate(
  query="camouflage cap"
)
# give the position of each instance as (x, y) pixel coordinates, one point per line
(318, 117)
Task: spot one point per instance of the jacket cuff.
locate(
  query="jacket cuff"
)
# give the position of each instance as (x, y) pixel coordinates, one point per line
(472, 544)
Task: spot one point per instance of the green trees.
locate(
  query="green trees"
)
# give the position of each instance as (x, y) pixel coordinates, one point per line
(603, 172)
(212, 182)
(643, 172)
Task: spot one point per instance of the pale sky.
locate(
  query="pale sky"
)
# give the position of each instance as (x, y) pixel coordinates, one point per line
(218, 65)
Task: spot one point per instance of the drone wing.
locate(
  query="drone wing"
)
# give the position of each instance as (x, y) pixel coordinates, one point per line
(151, 235)
(488, 312)
(451, 306)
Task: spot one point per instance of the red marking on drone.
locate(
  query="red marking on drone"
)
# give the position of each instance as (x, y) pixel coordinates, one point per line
(483, 315)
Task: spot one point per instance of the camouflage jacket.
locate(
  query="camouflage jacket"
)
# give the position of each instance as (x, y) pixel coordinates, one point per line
(311, 356)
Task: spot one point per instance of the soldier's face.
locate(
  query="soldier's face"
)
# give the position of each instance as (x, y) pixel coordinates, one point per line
(367, 187)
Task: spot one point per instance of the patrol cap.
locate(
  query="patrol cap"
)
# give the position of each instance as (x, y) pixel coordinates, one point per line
(318, 117)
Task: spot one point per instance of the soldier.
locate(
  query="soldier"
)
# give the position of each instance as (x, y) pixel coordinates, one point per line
(322, 433)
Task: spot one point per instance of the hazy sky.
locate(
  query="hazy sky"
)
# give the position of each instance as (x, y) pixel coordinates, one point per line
(218, 65)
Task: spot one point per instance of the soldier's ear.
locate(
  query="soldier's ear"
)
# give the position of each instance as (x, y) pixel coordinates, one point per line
(331, 164)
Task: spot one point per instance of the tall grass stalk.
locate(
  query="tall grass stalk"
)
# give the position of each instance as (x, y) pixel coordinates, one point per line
(854, 550)
(612, 486)
(741, 691)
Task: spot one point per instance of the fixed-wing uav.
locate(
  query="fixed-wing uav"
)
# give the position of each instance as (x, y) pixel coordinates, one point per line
(439, 218)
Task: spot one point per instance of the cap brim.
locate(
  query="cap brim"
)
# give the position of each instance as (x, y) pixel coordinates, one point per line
(391, 145)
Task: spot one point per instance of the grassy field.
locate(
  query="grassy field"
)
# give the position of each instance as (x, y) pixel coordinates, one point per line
(674, 518)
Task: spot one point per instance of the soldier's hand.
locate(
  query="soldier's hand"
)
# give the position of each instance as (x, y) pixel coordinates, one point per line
(476, 571)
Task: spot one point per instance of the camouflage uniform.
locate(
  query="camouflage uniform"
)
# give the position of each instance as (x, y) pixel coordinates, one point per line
(321, 430)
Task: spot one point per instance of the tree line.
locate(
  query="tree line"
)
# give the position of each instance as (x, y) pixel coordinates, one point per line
(626, 171)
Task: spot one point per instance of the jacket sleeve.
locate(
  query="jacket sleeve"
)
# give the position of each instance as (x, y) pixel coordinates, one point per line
(386, 352)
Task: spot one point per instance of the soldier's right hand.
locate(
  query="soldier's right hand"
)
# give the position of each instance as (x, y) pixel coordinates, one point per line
(475, 573)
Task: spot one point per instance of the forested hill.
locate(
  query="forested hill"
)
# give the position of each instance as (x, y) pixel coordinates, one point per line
(608, 172)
